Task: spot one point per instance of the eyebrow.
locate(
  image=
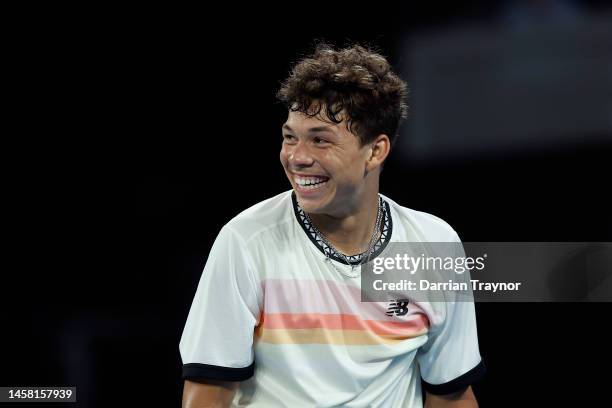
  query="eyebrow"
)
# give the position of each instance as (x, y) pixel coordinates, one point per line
(313, 129)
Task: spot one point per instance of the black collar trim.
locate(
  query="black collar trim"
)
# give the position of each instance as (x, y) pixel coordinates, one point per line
(379, 246)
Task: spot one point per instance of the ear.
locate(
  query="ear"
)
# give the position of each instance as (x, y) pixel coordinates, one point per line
(378, 151)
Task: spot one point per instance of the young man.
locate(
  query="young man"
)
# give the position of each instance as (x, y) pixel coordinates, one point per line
(277, 319)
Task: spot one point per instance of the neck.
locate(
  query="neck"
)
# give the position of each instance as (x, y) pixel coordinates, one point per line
(351, 233)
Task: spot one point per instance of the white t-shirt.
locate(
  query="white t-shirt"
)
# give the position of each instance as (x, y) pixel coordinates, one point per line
(271, 312)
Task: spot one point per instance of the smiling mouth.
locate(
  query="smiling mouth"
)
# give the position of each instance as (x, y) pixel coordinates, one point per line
(310, 182)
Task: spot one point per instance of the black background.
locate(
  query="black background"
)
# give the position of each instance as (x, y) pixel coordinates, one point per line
(134, 135)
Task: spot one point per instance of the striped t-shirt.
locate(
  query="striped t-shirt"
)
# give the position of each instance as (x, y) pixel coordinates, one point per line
(271, 312)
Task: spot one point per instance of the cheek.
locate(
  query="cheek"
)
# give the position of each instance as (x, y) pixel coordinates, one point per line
(353, 170)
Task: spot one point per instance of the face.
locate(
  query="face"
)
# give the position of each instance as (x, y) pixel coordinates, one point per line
(324, 162)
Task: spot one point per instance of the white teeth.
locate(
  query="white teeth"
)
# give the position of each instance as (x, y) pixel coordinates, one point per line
(310, 183)
(307, 181)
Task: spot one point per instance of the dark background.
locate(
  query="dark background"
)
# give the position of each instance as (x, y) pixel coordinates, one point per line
(134, 135)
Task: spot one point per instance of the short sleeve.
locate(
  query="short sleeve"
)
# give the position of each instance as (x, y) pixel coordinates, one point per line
(450, 360)
(217, 341)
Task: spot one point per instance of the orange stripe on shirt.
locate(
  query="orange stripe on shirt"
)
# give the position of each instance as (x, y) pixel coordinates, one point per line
(326, 336)
(345, 322)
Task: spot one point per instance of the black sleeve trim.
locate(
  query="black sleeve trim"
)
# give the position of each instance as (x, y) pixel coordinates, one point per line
(196, 371)
(459, 383)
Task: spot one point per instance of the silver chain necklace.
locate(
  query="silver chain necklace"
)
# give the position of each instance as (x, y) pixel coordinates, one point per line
(343, 256)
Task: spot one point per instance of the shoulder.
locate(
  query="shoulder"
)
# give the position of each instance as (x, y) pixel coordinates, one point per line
(272, 213)
(421, 225)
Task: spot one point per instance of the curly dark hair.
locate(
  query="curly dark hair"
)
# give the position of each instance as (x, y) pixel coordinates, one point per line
(355, 80)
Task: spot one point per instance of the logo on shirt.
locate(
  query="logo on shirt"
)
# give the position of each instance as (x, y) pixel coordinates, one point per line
(398, 307)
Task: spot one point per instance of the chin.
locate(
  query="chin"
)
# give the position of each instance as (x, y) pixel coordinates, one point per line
(312, 204)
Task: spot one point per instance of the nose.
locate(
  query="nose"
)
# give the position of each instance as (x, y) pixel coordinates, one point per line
(300, 156)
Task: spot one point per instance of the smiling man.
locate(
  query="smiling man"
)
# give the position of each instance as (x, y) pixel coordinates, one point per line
(277, 319)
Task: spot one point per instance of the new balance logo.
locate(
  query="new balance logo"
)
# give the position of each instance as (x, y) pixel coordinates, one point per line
(398, 307)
